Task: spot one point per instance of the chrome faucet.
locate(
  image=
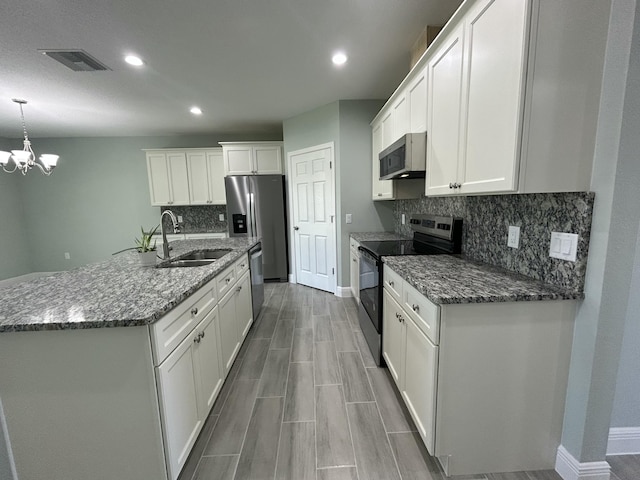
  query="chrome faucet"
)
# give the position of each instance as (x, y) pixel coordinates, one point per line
(176, 229)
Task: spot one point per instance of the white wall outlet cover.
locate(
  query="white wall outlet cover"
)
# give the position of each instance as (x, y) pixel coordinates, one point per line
(348, 218)
(67, 255)
(179, 218)
(221, 217)
(513, 240)
(564, 246)
(404, 219)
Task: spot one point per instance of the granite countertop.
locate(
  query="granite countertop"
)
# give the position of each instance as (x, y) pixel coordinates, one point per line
(376, 236)
(118, 292)
(447, 279)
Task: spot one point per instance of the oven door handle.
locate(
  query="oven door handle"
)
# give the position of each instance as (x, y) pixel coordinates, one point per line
(369, 256)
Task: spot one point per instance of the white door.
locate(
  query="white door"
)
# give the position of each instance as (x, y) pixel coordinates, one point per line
(444, 101)
(198, 181)
(179, 404)
(268, 159)
(420, 381)
(496, 51)
(313, 207)
(210, 370)
(215, 165)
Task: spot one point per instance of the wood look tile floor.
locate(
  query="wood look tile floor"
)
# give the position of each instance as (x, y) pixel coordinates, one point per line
(305, 401)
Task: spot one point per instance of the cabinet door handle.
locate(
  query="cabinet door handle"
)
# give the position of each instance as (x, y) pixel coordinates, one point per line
(379, 194)
(451, 185)
(239, 288)
(353, 260)
(194, 311)
(416, 308)
(228, 280)
(201, 335)
(197, 339)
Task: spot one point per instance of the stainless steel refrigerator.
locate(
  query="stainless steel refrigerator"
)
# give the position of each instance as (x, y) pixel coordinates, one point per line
(256, 207)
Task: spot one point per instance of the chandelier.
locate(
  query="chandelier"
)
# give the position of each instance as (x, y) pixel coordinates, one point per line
(25, 159)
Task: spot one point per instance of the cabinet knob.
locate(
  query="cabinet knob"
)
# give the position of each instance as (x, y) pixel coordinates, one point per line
(239, 288)
(353, 260)
(197, 339)
(416, 308)
(201, 335)
(379, 194)
(194, 311)
(451, 185)
(391, 284)
(228, 280)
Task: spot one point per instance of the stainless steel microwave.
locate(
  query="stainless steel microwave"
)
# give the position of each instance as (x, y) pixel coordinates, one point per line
(405, 158)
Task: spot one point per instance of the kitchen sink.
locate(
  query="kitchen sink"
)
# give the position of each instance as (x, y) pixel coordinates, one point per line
(197, 259)
(207, 254)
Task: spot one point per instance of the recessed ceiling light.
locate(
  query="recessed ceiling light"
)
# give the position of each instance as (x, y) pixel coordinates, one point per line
(339, 58)
(196, 110)
(133, 60)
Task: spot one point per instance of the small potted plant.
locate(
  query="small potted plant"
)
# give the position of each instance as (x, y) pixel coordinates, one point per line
(146, 251)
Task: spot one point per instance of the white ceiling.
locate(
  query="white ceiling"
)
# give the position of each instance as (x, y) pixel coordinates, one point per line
(249, 64)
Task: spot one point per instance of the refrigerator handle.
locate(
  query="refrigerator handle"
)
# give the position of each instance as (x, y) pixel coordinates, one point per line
(252, 212)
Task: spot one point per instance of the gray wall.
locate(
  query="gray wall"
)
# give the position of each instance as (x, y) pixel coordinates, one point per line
(97, 198)
(14, 249)
(347, 124)
(354, 180)
(601, 318)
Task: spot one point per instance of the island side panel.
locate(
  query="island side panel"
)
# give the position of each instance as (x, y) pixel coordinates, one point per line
(82, 404)
(502, 383)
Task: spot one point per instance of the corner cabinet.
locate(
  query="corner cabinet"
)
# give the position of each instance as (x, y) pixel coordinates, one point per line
(468, 373)
(186, 176)
(251, 158)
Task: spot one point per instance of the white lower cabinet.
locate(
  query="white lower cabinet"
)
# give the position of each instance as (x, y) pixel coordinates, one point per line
(236, 317)
(485, 383)
(194, 347)
(179, 389)
(420, 380)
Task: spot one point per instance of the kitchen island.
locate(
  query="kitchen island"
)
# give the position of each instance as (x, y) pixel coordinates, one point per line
(91, 386)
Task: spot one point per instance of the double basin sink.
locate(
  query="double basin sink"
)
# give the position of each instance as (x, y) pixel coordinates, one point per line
(197, 259)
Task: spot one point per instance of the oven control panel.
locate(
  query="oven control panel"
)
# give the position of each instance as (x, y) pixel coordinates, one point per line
(439, 226)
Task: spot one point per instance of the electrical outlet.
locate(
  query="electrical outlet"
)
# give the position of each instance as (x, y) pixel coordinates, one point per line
(67, 256)
(179, 218)
(221, 217)
(348, 218)
(404, 219)
(564, 246)
(513, 240)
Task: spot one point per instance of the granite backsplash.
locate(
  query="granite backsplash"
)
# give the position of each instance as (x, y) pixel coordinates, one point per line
(198, 218)
(486, 221)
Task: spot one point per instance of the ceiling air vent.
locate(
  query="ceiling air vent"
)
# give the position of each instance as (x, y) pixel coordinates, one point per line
(76, 60)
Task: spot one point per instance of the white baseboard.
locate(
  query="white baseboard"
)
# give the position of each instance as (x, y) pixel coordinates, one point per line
(343, 292)
(571, 469)
(291, 278)
(624, 441)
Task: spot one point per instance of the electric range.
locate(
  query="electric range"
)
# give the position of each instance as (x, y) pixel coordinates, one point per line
(433, 235)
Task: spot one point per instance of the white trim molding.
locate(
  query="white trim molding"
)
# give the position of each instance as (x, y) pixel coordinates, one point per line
(624, 441)
(571, 469)
(343, 292)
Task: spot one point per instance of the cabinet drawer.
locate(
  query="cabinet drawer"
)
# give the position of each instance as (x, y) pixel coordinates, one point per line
(393, 283)
(225, 280)
(170, 330)
(353, 244)
(424, 313)
(241, 266)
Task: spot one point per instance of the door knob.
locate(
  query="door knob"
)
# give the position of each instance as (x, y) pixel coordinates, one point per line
(296, 228)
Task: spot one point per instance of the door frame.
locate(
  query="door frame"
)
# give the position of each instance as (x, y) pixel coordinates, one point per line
(332, 158)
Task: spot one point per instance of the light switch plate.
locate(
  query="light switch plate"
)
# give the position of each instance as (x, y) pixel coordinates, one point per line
(67, 256)
(221, 217)
(179, 218)
(513, 240)
(563, 246)
(404, 220)
(348, 218)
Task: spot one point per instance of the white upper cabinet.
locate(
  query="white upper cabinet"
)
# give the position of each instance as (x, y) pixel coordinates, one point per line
(186, 177)
(444, 101)
(168, 178)
(506, 94)
(417, 98)
(244, 158)
(381, 189)
(206, 177)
